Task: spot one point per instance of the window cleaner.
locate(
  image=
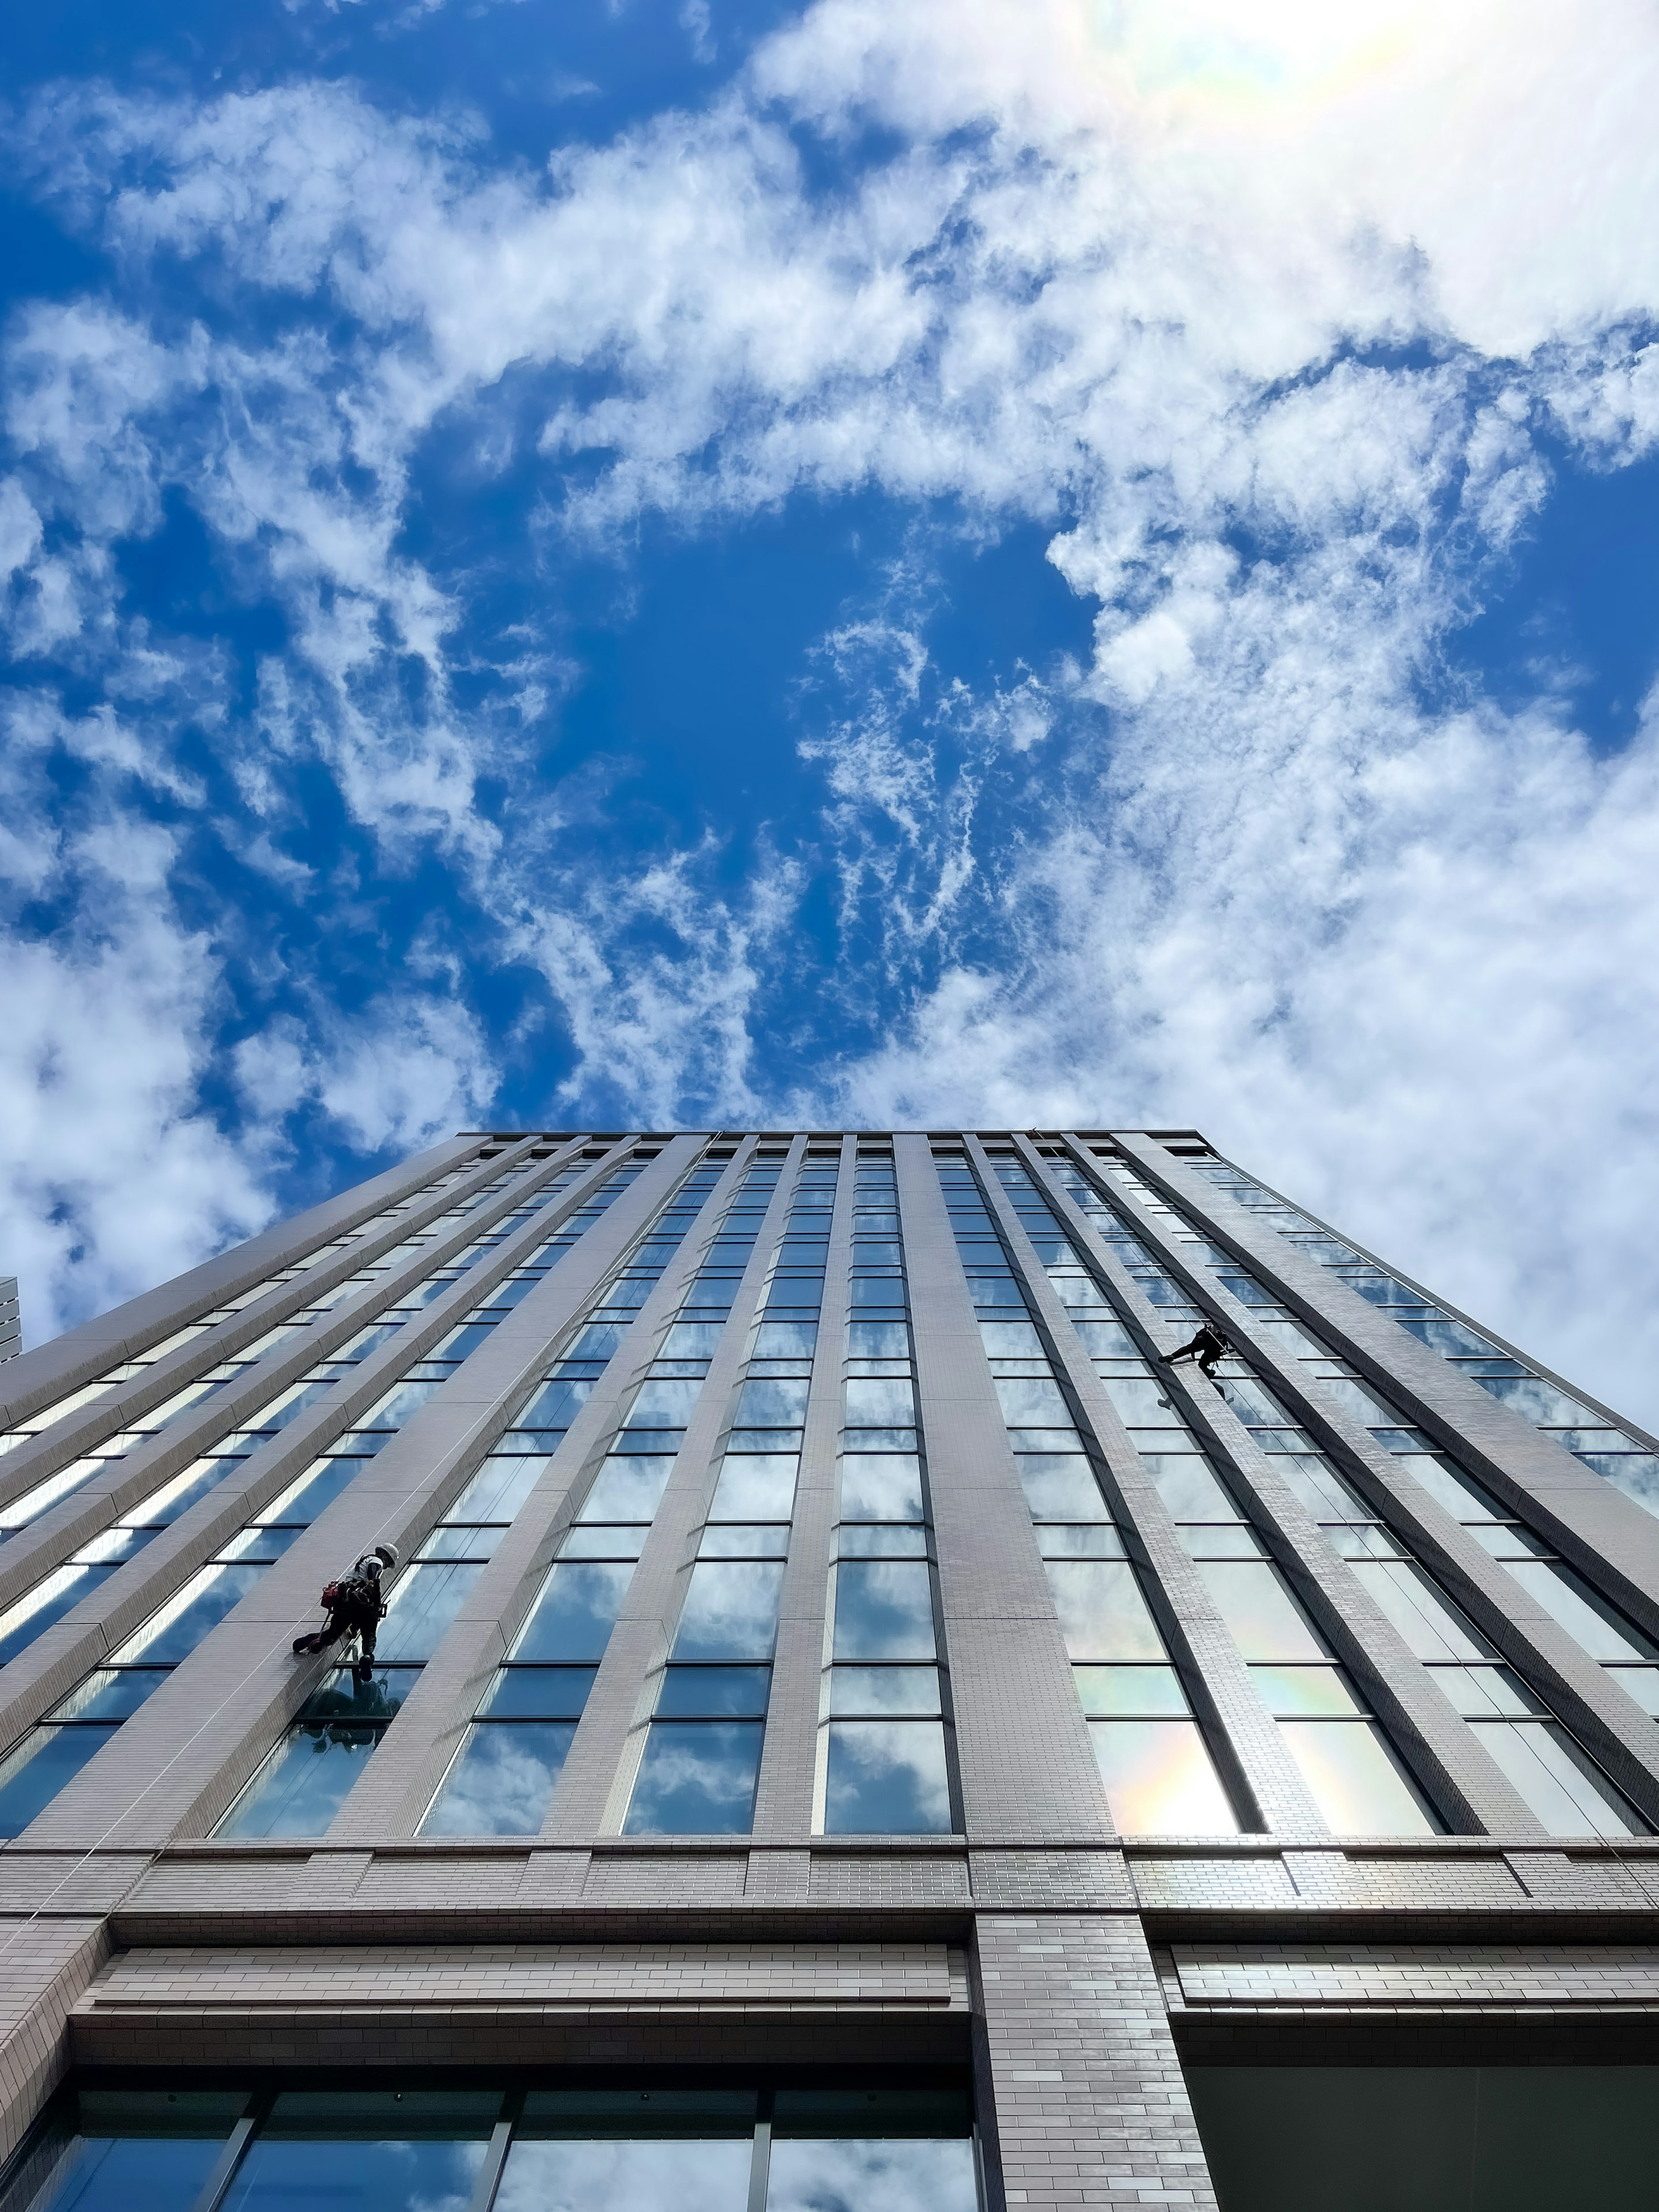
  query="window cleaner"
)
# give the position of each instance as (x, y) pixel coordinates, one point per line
(1206, 1345)
(355, 1607)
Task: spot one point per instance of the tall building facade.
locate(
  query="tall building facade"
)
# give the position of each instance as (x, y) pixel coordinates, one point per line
(854, 1723)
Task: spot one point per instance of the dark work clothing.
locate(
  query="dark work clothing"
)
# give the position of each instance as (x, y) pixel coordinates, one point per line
(1207, 1345)
(358, 1610)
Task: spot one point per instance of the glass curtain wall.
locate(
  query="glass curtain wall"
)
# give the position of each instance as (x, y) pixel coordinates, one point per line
(884, 1761)
(627, 2146)
(311, 1773)
(1560, 1782)
(1154, 1764)
(1623, 1460)
(514, 1750)
(701, 1764)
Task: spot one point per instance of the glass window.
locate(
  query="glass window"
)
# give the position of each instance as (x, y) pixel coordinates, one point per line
(176, 1629)
(1423, 1617)
(756, 1486)
(629, 1487)
(410, 2150)
(881, 1486)
(499, 1489)
(1358, 1785)
(884, 1610)
(306, 1779)
(1102, 1614)
(1556, 1780)
(878, 1692)
(630, 2151)
(731, 1611)
(125, 2150)
(1060, 1486)
(1159, 1779)
(502, 1779)
(570, 1622)
(696, 1778)
(870, 2151)
(886, 1778)
(1263, 1619)
(424, 1601)
(47, 1760)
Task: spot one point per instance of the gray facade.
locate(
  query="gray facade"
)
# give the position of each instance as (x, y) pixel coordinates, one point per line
(11, 1319)
(832, 1654)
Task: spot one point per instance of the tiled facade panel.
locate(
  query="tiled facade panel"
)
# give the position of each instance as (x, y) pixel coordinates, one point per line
(1067, 1961)
(1079, 2065)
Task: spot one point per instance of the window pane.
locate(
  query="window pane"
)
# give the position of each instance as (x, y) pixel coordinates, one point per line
(571, 1619)
(714, 1694)
(1428, 1624)
(756, 1486)
(201, 1605)
(498, 1490)
(736, 1540)
(731, 1611)
(1159, 1780)
(1356, 1781)
(879, 1691)
(47, 1761)
(1291, 1691)
(618, 2175)
(1189, 1486)
(1586, 1618)
(424, 1602)
(1103, 1615)
(846, 2175)
(538, 1693)
(131, 2151)
(884, 1610)
(880, 1486)
(390, 2175)
(887, 1778)
(1557, 1782)
(303, 1783)
(1262, 1618)
(500, 1783)
(1060, 1486)
(881, 1539)
(698, 1777)
(630, 1487)
(1107, 1692)
(111, 1695)
(772, 1402)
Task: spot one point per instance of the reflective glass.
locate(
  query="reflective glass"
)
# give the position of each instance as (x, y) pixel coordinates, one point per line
(886, 1778)
(1309, 1691)
(629, 1487)
(129, 2151)
(1320, 1487)
(617, 2174)
(1262, 1618)
(880, 1486)
(664, 1405)
(315, 1490)
(1028, 1402)
(424, 1603)
(884, 1610)
(303, 1783)
(731, 1611)
(501, 1781)
(1641, 1683)
(879, 1691)
(737, 1541)
(1158, 1779)
(1587, 1617)
(1102, 1614)
(1062, 1540)
(45, 1605)
(111, 1694)
(1110, 1691)
(499, 1489)
(698, 1777)
(1558, 1782)
(1189, 1486)
(1425, 1620)
(1357, 1784)
(540, 1693)
(881, 1539)
(175, 1632)
(1141, 1401)
(572, 1619)
(1231, 1540)
(603, 1542)
(1060, 1486)
(713, 1692)
(415, 2151)
(772, 1402)
(884, 2175)
(47, 1761)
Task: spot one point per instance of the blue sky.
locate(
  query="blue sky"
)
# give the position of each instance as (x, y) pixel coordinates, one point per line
(1054, 563)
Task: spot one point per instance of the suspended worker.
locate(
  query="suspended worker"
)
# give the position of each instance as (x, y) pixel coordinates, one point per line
(355, 1607)
(1207, 1345)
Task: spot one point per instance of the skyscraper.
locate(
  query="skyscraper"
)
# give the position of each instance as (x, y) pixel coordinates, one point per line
(854, 1723)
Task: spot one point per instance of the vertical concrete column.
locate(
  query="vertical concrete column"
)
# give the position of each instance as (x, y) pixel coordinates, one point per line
(1025, 1764)
(44, 1964)
(1077, 2069)
(783, 1803)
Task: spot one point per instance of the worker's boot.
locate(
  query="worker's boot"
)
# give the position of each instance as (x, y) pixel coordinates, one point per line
(364, 1670)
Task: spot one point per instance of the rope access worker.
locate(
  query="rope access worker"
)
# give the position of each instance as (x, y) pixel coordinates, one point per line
(356, 1607)
(1207, 1345)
